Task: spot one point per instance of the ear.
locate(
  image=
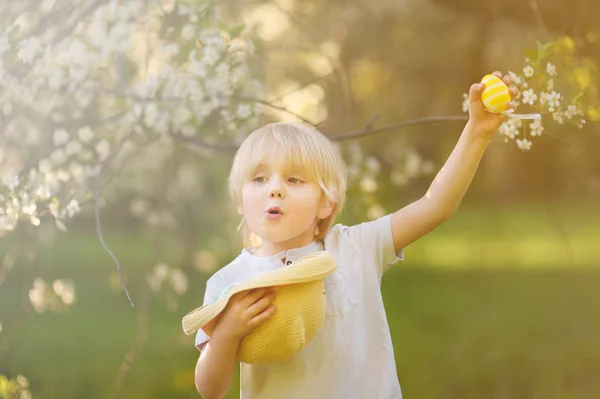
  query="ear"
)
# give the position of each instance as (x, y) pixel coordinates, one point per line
(326, 209)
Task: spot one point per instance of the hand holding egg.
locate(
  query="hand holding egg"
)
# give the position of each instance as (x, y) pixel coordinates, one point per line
(489, 102)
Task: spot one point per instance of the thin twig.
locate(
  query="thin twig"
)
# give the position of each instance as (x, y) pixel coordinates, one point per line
(230, 146)
(277, 107)
(416, 121)
(141, 337)
(97, 213)
(209, 145)
(537, 15)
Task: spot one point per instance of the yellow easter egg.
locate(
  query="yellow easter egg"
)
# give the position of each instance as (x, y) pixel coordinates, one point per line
(495, 96)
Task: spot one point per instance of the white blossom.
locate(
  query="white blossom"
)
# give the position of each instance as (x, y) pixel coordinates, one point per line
(103, 149)
(61, 80)
(85, 134)
(58, 156)
(524, 144)
(536, 128)
(368, 185)
(510, 129)
(558, 116)
(74, 147)
(243, 111)
(205, 262)
(528, 71)
(65, 290)
(529, 97)
(571, 111)
(516, 79)
(179, 281)
(29, 48)
(60, 137)
(551, 69)
(372, 164)
(72, 208)
(188, 32)
(551, 99)
(375, 211)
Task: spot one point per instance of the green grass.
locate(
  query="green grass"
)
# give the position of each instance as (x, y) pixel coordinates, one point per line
(476, 311)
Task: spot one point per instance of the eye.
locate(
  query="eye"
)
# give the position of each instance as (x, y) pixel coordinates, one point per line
(294, 180)
(259, 179)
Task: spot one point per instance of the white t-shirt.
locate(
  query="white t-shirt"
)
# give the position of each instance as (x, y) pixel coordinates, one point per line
(352, 356)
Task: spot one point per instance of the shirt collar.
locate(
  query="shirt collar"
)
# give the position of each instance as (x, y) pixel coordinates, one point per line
(290, 255)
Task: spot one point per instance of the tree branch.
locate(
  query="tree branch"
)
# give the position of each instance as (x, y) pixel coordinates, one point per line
(537, 15)
(232, 147)
(97, 212)
(277, 107)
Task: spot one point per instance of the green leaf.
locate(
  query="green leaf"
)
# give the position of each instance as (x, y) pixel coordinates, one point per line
(257, 43)
(545, 49)
(235, 32)
(578, 97)
(532, 55)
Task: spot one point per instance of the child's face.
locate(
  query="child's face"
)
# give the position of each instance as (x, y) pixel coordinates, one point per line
(298, 200)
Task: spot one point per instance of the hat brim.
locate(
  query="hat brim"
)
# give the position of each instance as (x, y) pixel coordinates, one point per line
(314, 266)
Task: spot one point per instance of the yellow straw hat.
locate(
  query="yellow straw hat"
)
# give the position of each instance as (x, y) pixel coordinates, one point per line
(300, 314)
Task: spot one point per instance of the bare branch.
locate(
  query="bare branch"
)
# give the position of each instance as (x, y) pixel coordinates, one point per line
(194, 142)
(338, 137)
(537, 15)
(277, 107)
(98, 225)
(232, 147)
(140, 339)
(416, 121)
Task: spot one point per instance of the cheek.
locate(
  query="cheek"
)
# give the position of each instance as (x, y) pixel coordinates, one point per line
(308, 202)
(250, 201)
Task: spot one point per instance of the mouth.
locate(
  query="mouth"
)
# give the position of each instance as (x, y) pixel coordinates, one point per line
(274, 210)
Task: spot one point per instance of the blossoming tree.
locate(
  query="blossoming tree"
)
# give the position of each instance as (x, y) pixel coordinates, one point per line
(93, 89)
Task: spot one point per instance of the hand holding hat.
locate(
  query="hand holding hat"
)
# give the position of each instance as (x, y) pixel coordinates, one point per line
(300, 303)
(246, 311)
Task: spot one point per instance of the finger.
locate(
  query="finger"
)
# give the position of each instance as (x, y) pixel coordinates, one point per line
(262, 317)
(497, 74)
(514, 92)
(260, 305)
(251, 296)
(475, 92)
(507, 80)
(510, 105)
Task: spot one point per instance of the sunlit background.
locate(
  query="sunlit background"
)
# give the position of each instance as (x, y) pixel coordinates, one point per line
(502, 301)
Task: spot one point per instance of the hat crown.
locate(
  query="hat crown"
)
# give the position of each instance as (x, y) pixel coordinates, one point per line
(300, 302)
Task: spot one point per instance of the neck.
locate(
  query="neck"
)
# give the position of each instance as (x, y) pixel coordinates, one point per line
(269, 248)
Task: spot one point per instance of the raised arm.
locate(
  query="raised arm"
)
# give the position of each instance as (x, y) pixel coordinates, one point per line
(451, 183)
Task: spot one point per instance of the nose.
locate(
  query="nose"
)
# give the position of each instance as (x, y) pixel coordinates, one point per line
(276, 192)
(276, 189)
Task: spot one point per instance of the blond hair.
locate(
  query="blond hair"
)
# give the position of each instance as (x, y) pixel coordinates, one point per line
(301, 145)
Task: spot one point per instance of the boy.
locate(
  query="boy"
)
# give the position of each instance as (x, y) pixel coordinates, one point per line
(288, 185)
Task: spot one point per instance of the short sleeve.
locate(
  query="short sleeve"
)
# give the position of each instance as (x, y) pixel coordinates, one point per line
(374, 241)
(213, 286)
